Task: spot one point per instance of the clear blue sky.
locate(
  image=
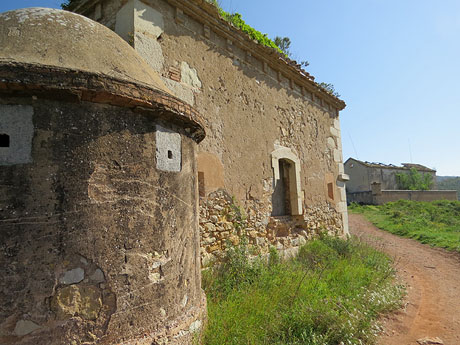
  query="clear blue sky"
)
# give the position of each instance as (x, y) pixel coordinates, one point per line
(396, 63)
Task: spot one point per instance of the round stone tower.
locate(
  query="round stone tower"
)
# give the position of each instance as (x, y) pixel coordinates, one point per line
(99, 239)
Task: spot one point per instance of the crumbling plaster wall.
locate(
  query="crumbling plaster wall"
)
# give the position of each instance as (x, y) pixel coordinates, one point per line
(98, 246)
(250, 109)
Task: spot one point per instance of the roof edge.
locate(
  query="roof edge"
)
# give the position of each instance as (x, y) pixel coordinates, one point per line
(207, 13)
(418, 167)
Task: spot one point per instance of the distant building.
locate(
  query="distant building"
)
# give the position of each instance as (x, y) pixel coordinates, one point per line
(363, 174)
(376, 183)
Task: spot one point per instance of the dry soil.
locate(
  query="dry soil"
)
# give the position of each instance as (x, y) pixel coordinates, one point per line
(432, 278)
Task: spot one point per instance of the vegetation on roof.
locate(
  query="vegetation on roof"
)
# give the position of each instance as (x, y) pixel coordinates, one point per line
(280, 44)
(329, 88)
(237, 21)
(68, 3)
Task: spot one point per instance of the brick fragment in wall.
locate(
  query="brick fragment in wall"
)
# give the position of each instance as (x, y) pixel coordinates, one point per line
(174, 73)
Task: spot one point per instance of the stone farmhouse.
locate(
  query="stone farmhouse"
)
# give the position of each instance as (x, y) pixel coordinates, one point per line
(376, 183)
(125, 171)
(273, 135)
(363, 174)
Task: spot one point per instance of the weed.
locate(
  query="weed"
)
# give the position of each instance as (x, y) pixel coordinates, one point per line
(331, 293)
(436, 223)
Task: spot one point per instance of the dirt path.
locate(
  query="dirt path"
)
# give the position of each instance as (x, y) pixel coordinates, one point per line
(432, 277)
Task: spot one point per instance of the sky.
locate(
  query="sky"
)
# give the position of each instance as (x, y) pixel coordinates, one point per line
(396, 64)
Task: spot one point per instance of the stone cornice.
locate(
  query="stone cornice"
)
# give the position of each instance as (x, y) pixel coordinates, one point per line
(83, 6)
(208, 15)
(51, 82)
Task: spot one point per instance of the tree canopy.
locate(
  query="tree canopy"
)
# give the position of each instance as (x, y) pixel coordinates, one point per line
(414, 180)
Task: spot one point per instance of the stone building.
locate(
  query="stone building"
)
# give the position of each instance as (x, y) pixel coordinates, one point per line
(376, 183)
(364, 174)
(99, 238)
(271, 163)
(105, 194)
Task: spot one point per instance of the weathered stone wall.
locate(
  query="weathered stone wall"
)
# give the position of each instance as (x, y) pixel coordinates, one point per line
(415, 195)
(98, 245)
(385, 196)
(363, 175)
(252, 105)
(224, 223)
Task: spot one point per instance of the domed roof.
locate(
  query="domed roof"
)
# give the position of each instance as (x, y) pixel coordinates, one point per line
(51, 37)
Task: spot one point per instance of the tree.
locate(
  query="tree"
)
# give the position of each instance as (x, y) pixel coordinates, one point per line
(330, 89)
(66, 5)
(284, 43)
(414, 180)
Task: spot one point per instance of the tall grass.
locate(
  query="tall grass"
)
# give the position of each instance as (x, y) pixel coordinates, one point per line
(330, 294)
(436, 223)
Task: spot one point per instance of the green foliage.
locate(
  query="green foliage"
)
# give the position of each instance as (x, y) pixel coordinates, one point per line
(436, 223)
(329, 88)
(238, 22)
(284, 43)
(332, 292)
(414, 180)
(66, 5)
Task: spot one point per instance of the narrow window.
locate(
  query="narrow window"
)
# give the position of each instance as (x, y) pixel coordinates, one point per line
(4, 140)
(330, 191)
(170, 154)
(282, 193)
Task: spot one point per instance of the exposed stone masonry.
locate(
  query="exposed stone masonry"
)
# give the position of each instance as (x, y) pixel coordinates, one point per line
(224, 224)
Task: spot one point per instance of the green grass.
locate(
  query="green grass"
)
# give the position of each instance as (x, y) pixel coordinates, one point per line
(436, 223)
(332, 293)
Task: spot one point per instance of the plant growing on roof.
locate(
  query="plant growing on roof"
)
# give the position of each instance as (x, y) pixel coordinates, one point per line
(68, 3)
(329, 88)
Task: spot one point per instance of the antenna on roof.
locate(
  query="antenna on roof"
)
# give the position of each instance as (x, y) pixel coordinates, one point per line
(353, 144)
(410, 151)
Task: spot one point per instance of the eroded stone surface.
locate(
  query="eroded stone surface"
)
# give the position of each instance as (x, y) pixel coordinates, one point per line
(24, 327)
(75, 300)
(97, 276)
(73, 276)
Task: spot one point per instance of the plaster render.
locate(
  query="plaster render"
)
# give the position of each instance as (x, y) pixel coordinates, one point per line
(16, 122)
(97, 245)
(141, 26)
(189, 75)
(168, 150)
